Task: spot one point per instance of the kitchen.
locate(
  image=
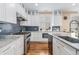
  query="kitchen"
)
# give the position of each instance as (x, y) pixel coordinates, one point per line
(39, 29)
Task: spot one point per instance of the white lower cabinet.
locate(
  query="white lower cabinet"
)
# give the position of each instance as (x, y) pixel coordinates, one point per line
(19, 48)
(36, 36)
(9, 50)
(61, 48)
(56, 48)
(14, 48)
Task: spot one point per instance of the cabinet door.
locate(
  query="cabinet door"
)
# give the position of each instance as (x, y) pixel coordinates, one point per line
(35, 20)
(7, 12)
(2, 12)
(36, 36)
(65, 52)
(55, 51)
(11, 13)
(61, 48)
(20, 45)
(10, 50)
(29, 22)
(56, 48)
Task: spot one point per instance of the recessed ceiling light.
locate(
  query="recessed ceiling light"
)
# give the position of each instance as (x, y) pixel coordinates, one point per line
(73, 4)
(36, 4)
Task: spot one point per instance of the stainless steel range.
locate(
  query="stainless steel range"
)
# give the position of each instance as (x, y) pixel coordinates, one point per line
(27, 42)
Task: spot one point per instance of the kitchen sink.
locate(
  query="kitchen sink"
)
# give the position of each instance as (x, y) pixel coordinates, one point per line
(70, 39)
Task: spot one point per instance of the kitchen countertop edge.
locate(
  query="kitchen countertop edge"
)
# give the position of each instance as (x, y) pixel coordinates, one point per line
(73, 45)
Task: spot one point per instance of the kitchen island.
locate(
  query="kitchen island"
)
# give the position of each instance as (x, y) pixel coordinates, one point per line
(11, 44)
(64, 47)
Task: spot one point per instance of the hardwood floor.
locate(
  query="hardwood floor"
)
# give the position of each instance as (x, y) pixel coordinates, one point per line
(37, 48)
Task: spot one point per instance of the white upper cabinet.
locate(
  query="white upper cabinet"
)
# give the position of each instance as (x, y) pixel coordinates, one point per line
(20, 10)
(8, 12)
(2, 12)
(11, 13)
(45, 21)
(33, 19)
(36, 20)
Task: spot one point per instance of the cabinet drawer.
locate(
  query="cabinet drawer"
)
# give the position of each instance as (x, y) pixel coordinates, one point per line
(70, 49)
(67, 47)
(10, 50)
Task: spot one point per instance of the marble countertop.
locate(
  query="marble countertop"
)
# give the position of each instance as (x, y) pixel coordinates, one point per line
(74, 45)
(8, 39)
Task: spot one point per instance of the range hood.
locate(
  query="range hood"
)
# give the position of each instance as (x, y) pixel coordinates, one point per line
(21, 19)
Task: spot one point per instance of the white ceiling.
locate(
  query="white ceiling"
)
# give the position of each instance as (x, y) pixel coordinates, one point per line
(51, 6)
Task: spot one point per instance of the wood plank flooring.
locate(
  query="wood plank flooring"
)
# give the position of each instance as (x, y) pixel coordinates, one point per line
(37, 48)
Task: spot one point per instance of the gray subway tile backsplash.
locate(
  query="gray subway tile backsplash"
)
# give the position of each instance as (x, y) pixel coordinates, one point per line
(30, 28)
(8, 28)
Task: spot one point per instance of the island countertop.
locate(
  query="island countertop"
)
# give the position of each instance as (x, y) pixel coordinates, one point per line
(8, 39)
(74, 45)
